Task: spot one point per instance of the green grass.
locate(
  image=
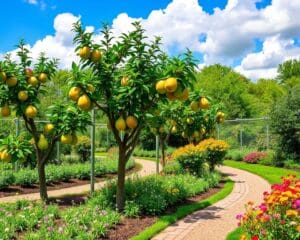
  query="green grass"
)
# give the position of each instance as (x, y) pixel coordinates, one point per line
(166, 220)
(271, 174)
(101, 154)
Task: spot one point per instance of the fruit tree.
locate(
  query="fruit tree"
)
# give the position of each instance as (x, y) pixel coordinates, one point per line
(118, 75)
(21, 88)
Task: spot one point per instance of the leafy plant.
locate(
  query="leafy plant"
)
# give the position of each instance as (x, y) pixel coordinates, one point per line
(254, 157)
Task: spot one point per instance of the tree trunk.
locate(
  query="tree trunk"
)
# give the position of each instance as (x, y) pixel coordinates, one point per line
(42, 181)
(121, 180)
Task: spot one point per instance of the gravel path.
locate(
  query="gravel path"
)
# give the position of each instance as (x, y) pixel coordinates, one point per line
(148, 168)
(216, 221)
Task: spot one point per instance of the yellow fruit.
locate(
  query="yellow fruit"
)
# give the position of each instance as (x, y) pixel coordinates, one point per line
(131, 122)
(28, 72)
(74, 93)
(124, 81)
(5, 156)
(220, 114)
(185, 95)
(174, 129)
(31, 141)
(22, 96)
(160, 87)
(183, 134)
(43, 77)
(221, 120)
(74, 139)
(84, 52)
(33, 81)
(91, 88)
(42, 143)
(2, 76)
(31, 111)
(5, 111)
(84, 103)
(203, 103)
(120, 124)
(66, 139)
(203, 131)
(161, 129)
(12, 81)
(196, 134)
(170, 96)
(173, 122)
(189, 121)
(48, 128)
(96, 56)
(171, 84)
(194, 106)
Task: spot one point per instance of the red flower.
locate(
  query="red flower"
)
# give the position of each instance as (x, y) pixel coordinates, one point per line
(255, 238)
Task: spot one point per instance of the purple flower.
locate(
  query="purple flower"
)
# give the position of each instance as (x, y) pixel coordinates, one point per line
(239, 216)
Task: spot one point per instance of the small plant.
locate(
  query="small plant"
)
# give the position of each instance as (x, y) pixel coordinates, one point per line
(254, 157)
(131, 209)
(278, 216)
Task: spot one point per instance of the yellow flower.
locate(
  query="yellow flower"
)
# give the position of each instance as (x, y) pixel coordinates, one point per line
(298, 228)
(291, 213)
(243, 237)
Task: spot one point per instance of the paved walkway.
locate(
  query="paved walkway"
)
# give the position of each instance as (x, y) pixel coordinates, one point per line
(148, 168)
(216, 221)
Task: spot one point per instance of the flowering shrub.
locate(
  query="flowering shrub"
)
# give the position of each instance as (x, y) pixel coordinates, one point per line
(254, 157)
(190, 159)
(278, 217)
(214, 151)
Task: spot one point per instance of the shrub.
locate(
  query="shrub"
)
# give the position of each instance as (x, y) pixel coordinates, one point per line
(7, 178)
(237, 154)
(278, 216)
(214, 151)
(173, 168)
(153, 194)
(190, 159)
(26, 177)
(254, 157)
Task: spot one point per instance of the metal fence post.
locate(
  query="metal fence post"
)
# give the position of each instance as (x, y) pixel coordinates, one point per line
(17, 121)
(157, 153)
(93, 152)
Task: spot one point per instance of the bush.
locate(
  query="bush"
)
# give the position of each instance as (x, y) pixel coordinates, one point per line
(254, 157)
(237, 154)
(7, 178)
(214, 151)
(278, 216)
(152, 195)
(26, 177)
(190, 159)
(173, 168)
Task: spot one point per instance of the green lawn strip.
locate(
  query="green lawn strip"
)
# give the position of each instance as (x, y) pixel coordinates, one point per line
(181, 212)
(271, 174)
(101, 154)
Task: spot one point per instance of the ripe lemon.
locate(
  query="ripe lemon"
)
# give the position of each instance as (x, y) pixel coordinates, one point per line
(31, 111)
(5, 156)
(74, 93)
(33, 81)
(22, 96)
(12, 81)
(84, 52)
(3, 76)
(174, 129)
(160, 87)
(5, 111)
(96, 56)
(42, 143)
(131, 122)
(189, 121)
(43, 77)
(48, 128)
(203, 103)
(66, 139)
(84, 103)
(124, 81)
(120, 124)
(171, 84)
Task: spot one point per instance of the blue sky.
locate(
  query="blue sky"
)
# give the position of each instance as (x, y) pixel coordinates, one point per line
(244, 34)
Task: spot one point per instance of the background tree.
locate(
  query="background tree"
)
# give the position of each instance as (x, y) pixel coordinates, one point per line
(119, 79)
(21, 89)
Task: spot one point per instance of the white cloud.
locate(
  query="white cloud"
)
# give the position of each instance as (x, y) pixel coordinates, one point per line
(225, 37)
(33, 2)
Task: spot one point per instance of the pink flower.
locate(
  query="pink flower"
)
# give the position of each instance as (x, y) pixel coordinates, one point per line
(263, 207)
(239, 216)
(263, 231)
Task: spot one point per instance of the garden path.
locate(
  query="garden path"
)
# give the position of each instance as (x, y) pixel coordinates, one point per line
(148, 168)
(216, 221)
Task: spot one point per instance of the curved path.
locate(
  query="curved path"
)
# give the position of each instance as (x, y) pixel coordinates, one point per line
(216, 221)
(148, 168)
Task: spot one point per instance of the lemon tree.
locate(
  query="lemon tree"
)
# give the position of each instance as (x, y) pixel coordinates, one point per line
(22, 86)
(119, 76)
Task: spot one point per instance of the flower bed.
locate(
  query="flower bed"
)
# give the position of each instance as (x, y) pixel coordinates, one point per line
(278, 217)
(254, 157)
